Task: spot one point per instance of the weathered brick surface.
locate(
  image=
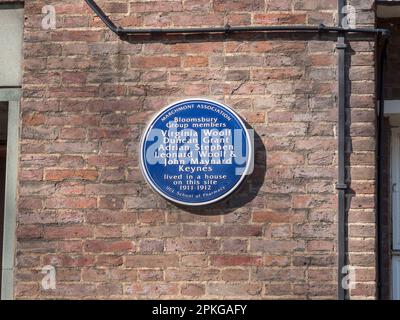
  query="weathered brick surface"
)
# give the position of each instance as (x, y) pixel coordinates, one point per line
(392, 81)
(84, 206)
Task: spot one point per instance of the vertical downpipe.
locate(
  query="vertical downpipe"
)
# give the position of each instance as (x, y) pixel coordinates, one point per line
(341, 185)
(380, 164)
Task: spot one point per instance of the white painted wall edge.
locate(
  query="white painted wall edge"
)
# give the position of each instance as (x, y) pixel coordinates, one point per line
(10, 204)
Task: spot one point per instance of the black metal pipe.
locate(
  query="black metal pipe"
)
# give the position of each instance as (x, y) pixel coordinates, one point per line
(380, 164)
(120, 31)
(100, 13)
(341, 184)
(231, 29)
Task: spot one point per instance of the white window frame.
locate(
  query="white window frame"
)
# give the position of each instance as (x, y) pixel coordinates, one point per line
(12, 96)
(396, 277)
(395, 172)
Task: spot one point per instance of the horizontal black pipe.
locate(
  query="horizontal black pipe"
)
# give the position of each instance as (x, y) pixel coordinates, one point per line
(226, 29)
(229, 29)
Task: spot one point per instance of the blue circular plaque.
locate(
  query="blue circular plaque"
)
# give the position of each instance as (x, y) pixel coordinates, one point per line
(196, 152)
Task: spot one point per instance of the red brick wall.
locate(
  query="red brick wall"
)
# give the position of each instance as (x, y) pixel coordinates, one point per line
(84, 206)
(392, 78)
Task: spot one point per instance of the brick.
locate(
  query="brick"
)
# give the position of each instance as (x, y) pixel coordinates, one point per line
(111, 203)
(361, 245)
(72, 147)
(193, 290)
(230, 260)
(225, 289)
(73, 260)
(275, 261)
(270, 216)
(110, 231)
(72, 134)
(288, 158)
(195, 61)
(276, 245)
(236, 5)
(234, 245)
(196, 48)
(152, 289)
(158, 6)
(71, 203)
(278, 289)
(31, 175)
(109, 246)
(237, 216)
(279, 18)
(68, 161)
(276, 74)
(155, 62)
(151, 246)
(314, 230)
(169, 231)
(278, 5)
(244, 61)
(197, 260)
(119, 217)
(113, 175)
(190, 20)
(152, 261)
(192, 274)
(362, 231)
(235, 274)
(320, 245)
(27, 290)
(29, 232)
(151, 275)
(318, 4)
(190, 230)
(236, 231)
(151, 217)
(95, 275)
(281, 231)
(312, 201)
(109, 260)
(109, 161)
(114, 189)
(67, 232)
(60, 175)
(276, 274)
(192, 245)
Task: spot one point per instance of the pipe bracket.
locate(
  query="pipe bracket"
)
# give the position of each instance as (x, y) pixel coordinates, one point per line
(341, 186)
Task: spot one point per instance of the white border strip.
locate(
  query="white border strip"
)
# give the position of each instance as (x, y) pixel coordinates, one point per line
(10, 204)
